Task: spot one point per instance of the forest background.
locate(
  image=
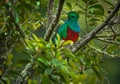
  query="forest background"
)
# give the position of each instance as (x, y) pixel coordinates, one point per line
(28, 54)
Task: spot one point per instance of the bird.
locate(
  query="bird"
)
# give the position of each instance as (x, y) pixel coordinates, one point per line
(70, 29)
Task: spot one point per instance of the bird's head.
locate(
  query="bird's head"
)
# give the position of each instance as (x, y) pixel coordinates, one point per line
(73, 16)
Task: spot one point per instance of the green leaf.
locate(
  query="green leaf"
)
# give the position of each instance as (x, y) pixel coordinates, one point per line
(9, 59)
(72, 75)
(66, 77)
(69, 5)
(43, 61)
(22, 61)
(5, 80)
(55, 62)
(45, 79)
(1, 71)
(43, 8)
(72, 64)
(94, 19)
(48, 71)
(108, 2)
(37, 4)
(28, 44)
(32, 81)
(112, 48)
(67, 53)
(68, 42)
(36, 25)
(17, 18)
(57, 41)
(96, 9)
(92, 79)
(91, 2)
(118, 39)
(36, 38)
(80, 78)
(8, 4)
(14, 72)
(85, 0)
(97, 72)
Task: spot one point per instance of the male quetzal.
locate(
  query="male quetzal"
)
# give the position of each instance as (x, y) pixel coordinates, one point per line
(70, 29)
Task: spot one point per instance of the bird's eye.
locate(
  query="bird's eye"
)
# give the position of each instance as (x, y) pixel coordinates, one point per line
(72, 16)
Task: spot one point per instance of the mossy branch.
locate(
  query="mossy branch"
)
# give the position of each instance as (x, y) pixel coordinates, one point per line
(54, 22)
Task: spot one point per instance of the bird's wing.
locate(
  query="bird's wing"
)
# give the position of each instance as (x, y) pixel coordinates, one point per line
(74, 26)
(63, 30)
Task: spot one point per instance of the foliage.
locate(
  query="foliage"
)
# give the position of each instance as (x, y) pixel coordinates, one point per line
(28, 58)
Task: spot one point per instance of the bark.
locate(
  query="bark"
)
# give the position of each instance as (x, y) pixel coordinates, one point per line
(55, 21)
(50, 12)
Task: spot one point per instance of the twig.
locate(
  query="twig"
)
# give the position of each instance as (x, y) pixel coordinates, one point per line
(12, 18)
(54, 22)
(108, 36)
(5, 22)
(112, 29)
(79, 44)
(100, 51)
(86, 14)
(111, 42)
(24, 73)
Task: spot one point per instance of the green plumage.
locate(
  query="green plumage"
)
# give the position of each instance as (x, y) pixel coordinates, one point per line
(71, 23)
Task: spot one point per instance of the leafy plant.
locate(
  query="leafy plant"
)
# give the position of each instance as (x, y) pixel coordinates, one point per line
(26, 57)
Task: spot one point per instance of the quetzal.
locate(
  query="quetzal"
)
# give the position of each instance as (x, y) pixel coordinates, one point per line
(70, 29)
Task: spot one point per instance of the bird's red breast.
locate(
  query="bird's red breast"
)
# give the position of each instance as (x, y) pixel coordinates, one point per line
(71, 35)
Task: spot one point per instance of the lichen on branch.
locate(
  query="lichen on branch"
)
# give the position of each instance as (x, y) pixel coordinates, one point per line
(55, 21)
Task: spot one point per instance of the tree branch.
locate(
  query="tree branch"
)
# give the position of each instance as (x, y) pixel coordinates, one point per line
(111, 42)
(79, 44)
(55, 21)
(50, 12)
(109, 36)
(11, 12)
(100, 51)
